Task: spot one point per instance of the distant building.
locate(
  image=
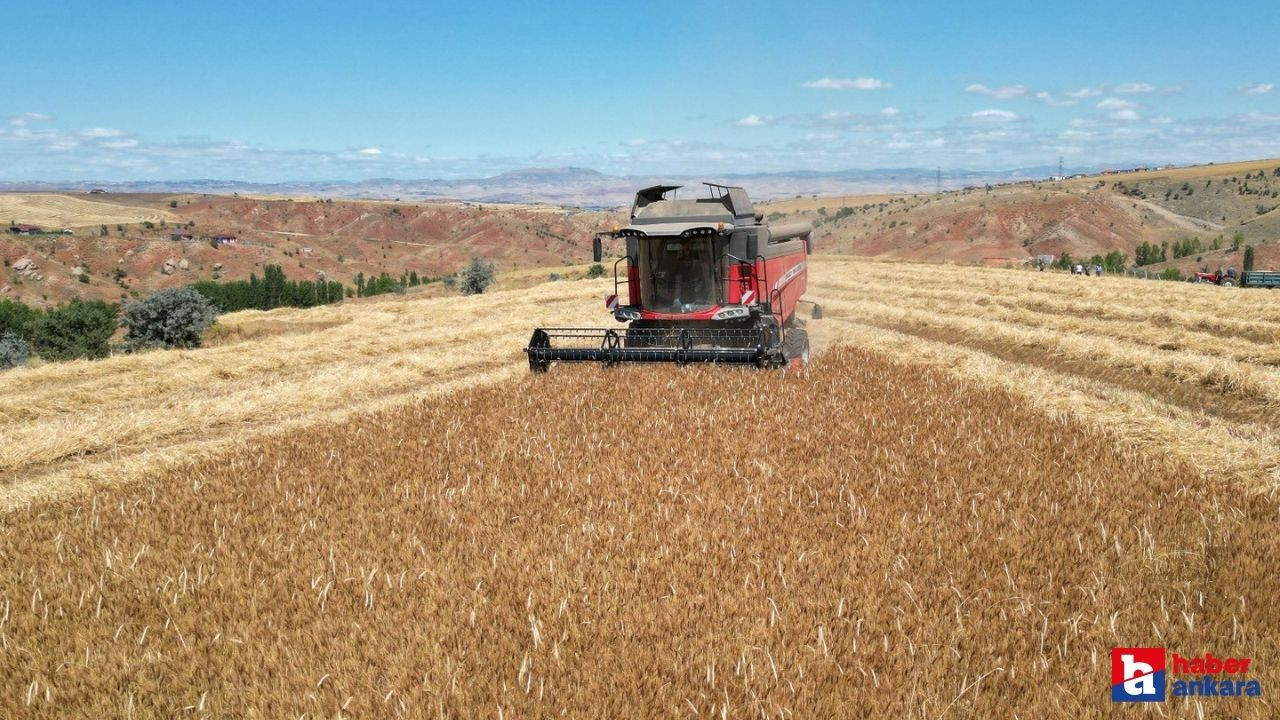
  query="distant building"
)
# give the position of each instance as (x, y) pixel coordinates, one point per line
(21, 229)
(182, 236)
(224, 239)
(97, 191)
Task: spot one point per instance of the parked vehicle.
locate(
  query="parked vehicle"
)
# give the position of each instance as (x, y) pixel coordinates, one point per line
(1249, 278)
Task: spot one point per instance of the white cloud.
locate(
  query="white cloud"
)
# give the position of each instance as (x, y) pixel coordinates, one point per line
(861, 83)
(27, 118)
(1131, 88)
(1000, 93)
(101, 133)
(371, 151)
(1161, 121)
(891, 112)
(1124, 115)
(121, 144)
(1084, 92)
(994, 115)
(753, 121)
(1116, 104)
(636, 142)
(1258, 117)
(1256, 88)
(1048, 99)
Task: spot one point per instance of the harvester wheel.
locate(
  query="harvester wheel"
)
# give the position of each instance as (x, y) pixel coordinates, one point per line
(795, 348)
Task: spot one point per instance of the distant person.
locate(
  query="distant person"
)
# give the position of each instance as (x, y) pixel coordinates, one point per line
(1231, 272)
(1097, 270)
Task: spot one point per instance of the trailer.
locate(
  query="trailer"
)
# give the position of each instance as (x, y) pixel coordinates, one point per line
(1260, 279)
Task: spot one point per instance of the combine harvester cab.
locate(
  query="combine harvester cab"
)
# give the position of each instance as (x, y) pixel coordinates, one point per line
(702, 281)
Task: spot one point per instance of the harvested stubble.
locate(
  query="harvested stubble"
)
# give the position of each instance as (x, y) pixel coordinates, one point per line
(862, 539)
(1174, 367)
(71, 425)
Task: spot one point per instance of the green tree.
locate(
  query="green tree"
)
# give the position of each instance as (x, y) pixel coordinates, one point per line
(78, 329)
(17, 318)
(1236, 241)
(1248, 258)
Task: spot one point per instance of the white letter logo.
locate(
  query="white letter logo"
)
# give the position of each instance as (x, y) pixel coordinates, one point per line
(1138, 677)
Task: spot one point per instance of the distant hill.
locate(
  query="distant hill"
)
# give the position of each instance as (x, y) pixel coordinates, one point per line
(1205, 207)
(567, 186)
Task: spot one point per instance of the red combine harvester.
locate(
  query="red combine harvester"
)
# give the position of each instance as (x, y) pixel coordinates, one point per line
(704, 281)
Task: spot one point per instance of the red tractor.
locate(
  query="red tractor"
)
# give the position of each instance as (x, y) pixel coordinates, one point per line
(1224, 279)
(703, 281)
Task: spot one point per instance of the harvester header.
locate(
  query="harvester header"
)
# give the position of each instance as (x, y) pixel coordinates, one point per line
(702, 280)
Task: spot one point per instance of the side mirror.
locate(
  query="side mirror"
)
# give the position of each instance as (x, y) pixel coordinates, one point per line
(597, 249)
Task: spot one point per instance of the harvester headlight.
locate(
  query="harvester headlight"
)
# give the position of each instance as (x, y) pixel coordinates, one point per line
(627, 313)
(731, 312)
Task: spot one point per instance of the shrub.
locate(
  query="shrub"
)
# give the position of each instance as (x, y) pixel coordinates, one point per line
(78, 329)
(173, 318)
(595, 271)
(17, 318)
(1248, 258)
(13, 350)
(1171, 273)
(477, 277)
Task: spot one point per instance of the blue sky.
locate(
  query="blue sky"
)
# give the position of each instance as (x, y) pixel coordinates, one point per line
(277, 91)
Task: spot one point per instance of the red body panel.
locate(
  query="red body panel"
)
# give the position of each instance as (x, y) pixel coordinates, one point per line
(788, 276)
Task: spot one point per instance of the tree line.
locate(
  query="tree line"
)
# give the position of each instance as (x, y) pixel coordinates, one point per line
(274, 290)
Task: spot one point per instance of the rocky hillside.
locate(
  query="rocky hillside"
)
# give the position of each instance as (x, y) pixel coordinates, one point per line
(308, 238)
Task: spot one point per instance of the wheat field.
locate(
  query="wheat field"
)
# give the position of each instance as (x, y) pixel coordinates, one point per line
(984, 481)
(53, 210)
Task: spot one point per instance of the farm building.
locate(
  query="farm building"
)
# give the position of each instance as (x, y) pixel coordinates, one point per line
(224, 239)
(23, 229)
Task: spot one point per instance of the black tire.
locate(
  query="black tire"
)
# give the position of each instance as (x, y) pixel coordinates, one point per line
(795, 346)
(1227, 282)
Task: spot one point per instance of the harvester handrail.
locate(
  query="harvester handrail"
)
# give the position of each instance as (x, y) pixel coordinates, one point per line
(627, 282)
